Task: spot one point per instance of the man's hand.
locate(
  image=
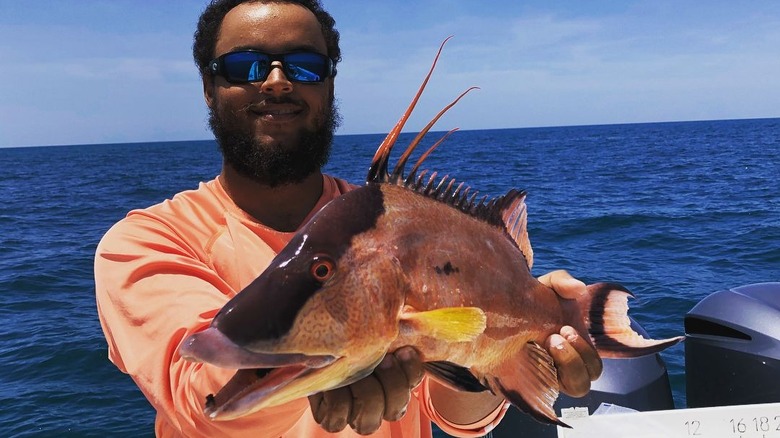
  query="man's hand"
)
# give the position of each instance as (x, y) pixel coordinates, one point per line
(575, 359)
(383, 395)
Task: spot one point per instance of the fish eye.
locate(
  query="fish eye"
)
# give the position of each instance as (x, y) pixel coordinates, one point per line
(322, 268)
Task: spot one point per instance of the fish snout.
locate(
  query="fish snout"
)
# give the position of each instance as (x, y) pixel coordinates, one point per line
(212, 346)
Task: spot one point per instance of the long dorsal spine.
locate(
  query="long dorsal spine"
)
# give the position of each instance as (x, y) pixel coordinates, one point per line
(462, 198)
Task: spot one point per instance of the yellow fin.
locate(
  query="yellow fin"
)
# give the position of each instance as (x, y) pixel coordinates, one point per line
(452, 324)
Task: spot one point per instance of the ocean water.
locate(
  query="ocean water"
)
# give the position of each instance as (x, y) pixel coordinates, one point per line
(674, 211)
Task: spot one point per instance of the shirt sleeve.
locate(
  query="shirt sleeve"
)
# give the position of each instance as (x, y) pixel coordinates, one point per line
(153, 290)
(478, 429)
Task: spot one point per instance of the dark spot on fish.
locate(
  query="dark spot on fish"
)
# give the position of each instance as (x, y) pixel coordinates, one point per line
(447, 269)
(210, 401)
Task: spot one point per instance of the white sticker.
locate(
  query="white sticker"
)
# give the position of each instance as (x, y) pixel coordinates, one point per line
(743, 421)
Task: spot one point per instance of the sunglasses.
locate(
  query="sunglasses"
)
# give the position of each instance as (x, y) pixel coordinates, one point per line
(252, 66)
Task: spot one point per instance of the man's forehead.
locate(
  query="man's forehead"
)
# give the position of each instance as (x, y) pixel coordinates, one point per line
(271, 27)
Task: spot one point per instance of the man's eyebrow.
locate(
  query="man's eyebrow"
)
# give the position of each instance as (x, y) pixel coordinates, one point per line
(292, 49)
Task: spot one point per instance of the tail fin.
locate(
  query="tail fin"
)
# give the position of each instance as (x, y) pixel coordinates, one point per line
(605, 309)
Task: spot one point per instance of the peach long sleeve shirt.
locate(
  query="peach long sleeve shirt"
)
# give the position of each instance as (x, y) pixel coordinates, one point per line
(162, 273)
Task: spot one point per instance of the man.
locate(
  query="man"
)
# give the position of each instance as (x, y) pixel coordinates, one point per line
(162, 273)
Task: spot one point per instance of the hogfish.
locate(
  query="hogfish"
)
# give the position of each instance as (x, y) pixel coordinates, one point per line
(406, 259)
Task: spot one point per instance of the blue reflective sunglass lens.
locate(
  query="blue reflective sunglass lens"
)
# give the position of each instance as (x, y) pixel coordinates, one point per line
(306, 67)
(245, 66)
(252, 66)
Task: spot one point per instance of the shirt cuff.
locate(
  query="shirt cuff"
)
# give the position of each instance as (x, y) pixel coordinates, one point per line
(477, 429)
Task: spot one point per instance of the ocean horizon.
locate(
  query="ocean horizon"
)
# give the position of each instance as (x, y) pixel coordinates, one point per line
(672, 210)
(406, 131)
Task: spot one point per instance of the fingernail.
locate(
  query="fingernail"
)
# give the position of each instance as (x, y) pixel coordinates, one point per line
(575, 283)
(556, 341)
(569, 333)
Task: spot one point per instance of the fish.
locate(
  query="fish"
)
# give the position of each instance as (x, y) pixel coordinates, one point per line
(408, 259)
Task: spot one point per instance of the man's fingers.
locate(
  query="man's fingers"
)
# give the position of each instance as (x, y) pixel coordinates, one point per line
(317, 410)
(577, 361)
(331, 409)
(368, 405)
(411, 363)
(384, 394)
(586, 351)
(396, 386)
(572, 373)
(563, 284)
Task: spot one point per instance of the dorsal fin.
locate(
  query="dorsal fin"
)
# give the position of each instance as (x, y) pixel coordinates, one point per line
(506, 211)
(514, 215)
(378, 172)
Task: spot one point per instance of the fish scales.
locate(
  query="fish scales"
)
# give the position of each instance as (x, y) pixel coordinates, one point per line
(444, 252)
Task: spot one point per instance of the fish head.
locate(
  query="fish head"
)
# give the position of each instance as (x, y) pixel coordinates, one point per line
(322, 315)
(332, 283)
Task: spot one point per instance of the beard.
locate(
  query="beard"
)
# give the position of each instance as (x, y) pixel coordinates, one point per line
(271, 163)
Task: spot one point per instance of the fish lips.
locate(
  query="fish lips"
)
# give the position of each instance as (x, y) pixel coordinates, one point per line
(259, 374)
(213, 347)
(246, 391)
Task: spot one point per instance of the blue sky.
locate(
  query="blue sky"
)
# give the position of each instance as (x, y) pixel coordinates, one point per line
(109, 71)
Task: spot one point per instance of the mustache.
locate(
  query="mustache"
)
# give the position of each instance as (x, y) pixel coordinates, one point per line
(254, 106)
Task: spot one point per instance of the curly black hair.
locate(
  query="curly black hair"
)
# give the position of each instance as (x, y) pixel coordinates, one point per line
(205, 39)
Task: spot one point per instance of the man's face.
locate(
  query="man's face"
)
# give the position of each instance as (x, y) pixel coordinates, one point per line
(275, 131)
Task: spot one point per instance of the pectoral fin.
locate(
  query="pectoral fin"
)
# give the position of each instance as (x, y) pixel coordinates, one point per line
(530, 382)
(451, 324)
(454, 376)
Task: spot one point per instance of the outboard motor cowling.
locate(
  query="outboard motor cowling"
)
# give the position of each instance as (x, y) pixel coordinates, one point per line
(732, 347)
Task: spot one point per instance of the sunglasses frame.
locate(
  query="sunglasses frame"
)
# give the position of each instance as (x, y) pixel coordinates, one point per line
(217, 66)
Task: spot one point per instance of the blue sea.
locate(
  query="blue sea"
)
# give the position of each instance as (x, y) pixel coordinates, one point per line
(674, 211)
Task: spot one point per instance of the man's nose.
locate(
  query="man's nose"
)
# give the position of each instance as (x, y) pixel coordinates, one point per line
(276, 83)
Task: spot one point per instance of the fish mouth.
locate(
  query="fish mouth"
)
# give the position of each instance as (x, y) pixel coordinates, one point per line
(260, 376)
(248, 390)
(251, 390)
(213, 347)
